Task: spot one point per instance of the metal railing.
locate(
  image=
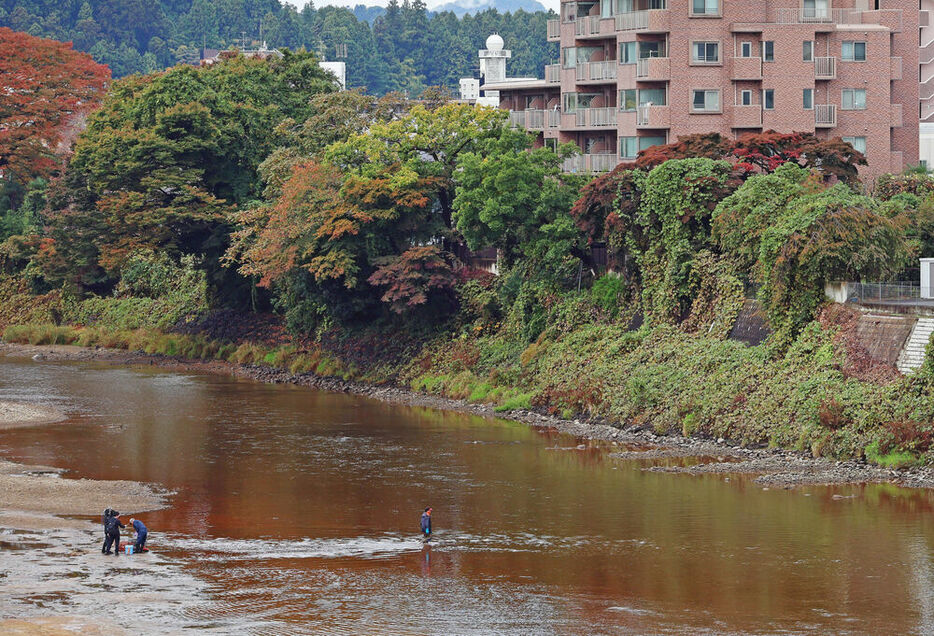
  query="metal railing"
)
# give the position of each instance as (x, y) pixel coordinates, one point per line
(825, 67)
(530, 119)
(632, 21)
(595, 117)
(553, 29)
(596, 71)
(825, 115)
(553, 73)
(588, 25)
(554, 118)
(590, 163)
(644, 66)
(820, 16)
(885, 292)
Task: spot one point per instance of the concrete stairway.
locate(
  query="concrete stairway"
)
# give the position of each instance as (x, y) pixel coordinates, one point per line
(912, 355)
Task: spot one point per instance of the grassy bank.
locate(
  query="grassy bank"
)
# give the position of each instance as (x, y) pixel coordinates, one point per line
(662, 377)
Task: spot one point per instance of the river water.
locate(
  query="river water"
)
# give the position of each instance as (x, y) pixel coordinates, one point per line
(296, 512)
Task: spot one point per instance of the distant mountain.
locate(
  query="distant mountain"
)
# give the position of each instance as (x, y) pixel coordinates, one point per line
(461, 7)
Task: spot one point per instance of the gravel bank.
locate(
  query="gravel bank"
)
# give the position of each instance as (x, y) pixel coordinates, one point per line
(17, 414)
(776, 468)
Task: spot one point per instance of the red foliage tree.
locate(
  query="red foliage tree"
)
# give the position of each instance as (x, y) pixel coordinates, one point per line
(45, 87)
(415, 277)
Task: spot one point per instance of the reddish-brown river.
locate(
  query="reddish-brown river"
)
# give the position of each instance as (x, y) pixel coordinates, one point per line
(296, 512)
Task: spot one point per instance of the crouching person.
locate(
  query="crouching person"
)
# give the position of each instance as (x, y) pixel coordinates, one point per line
(141, 534)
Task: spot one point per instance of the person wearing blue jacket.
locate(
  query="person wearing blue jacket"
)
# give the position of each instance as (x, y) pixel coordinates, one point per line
(425, 524)
(141, 534)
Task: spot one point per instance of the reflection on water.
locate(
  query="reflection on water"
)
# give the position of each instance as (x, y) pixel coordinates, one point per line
(297, 511)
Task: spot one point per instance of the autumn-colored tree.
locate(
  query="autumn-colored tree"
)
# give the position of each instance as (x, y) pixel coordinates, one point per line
(419, 277)
(701, 145)
(45, 88)
(833, 158)
(166, 158)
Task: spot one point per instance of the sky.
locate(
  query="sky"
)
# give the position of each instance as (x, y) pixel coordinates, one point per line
(553, 4)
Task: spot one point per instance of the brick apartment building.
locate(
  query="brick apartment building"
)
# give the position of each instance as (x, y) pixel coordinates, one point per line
(634, 73)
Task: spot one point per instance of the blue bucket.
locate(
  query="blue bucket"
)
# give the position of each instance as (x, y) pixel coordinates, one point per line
(128, 549)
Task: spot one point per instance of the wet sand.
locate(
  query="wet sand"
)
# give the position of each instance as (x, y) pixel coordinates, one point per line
(17, 414)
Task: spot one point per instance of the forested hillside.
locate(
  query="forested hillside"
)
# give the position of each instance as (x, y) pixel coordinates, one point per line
(404, 49)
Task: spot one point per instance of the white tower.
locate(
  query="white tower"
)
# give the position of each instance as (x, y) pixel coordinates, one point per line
(492, 68)
(493, 60)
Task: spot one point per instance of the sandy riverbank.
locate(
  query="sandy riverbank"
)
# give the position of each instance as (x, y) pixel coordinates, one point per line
(774, 467)
(18, 414)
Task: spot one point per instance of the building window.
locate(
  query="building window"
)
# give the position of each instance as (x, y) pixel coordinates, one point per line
(814, 9)
(808, 99)
(706, 53)
(768, 99)
(858, 143)
(745, 49)
(651, 49)
(706, 101)
(768, 51)
(654, 96)
(627, 52)
(705, 7)
(808, 51)
(854, 51)
(647, 142)
(627, 99)
(854, 99)
(628, 147)
(745, 98)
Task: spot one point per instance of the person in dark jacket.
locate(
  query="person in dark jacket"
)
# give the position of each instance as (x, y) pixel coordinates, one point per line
(425, 524)
(107, 514)
(141, 533)
(112, 533)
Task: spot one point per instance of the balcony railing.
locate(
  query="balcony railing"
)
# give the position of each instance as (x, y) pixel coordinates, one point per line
(589, 25)
(749, 116)
(825, 68)
(595, 117)
(530, 119)
(651, 20)
(825, 115)
(554, 118)
(653, 68)
(554, 30)
(553, 73)
(652, 116)
(820, 16)
(596, 71)
(603, 162)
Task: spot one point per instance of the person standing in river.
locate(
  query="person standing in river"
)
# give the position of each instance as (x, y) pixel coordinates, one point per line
(112, 533)
(425, 524)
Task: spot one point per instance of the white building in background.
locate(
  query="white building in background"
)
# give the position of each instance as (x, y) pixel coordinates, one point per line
(339, 69)
(492, 71)
(927, 144)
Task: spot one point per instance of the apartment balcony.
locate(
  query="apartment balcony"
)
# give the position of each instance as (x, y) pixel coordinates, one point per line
(553, 73)
(927, 52)
(649, 21)
(597, 72)
(653, 69)
(650, 116)
(825, 68)
(747, 68)
(591, 118)
(530, 119)
(825, 115)
(895, 68)
(553, 118)
(897, 120)
(747, 116)
(819, 17)
(594, 27)
(927, 90)
(553, 29)
(590, 163)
